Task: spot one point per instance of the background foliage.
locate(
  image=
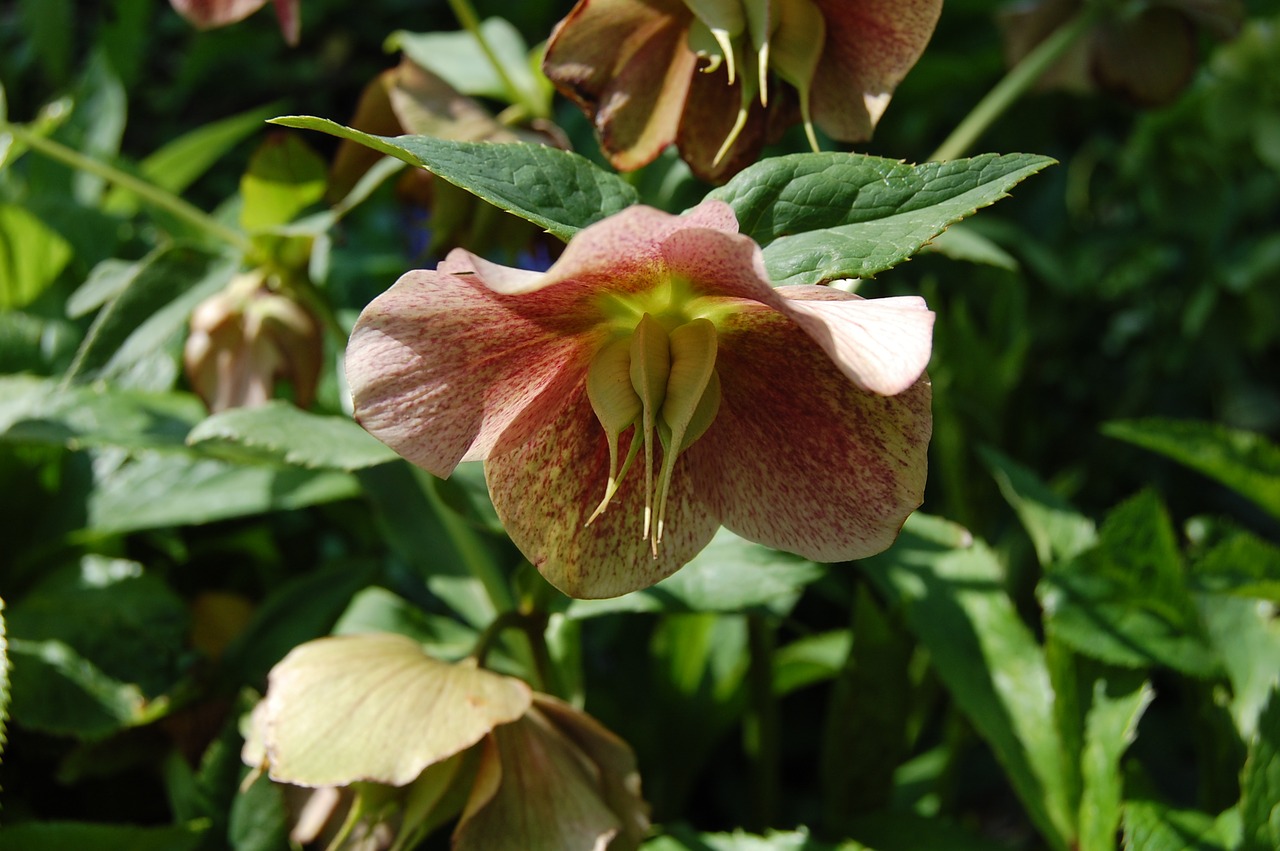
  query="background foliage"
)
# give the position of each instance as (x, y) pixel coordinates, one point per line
(1074, 645)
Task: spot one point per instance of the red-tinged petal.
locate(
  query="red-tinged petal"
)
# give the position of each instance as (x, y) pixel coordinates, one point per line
(207, 14)
(800, 459)
(545, 490)
(708, 119)
(871, 44)
(290, 19)
(443, 370)
(625, 62)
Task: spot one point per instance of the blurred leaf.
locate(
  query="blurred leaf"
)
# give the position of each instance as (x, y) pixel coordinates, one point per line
(955, 602)
(1241, 564)
(556, 190)
(459, 60)
(897, 831)
(730, 575)
(378, 610)
(685, 839)
(832, 215)
(81, 836)
(284, 178)
(1152, 826)
(35, 344)
(32, 255)
(155, 303)
(35, 410)
(1126, 600)
(104, 283)
(1244, 461)
(4, 684)
(172, 490)
(1058, 531)
(1110, 727)
(281, 431)
(179, 163)
(47, 23)
(1260, 783)
(259, 818)
(959, 242)
(810, 660)
(1246, 635)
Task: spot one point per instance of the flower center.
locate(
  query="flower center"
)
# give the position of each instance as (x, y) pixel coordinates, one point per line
(662, 382)
(784, 35)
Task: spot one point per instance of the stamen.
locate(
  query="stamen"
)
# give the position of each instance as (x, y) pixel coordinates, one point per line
(650, 367)
(616, 405)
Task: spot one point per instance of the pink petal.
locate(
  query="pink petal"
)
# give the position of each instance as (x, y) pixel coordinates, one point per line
(545, 490)
(206, 14)
(442, 369)
(798, 458)
(289, 18)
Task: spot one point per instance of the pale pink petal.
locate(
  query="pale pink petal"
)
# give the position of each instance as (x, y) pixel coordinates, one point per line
(800, 459)
(206, 14)
(870, 46)
(545, 490)
(289, 18)
(442, 369)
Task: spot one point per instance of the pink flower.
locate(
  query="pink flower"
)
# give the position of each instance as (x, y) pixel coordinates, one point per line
(707, 75)
(208, 14)
(797, 417)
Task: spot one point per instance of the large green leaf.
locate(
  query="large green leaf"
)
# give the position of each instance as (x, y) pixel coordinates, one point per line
(730, 575)
(1126, 600)
(1246, 462)
(556, 190)
(281, 431)
(951, 588)
(1110, 727)
(1260, 783)
(833, 215)
(82, 836)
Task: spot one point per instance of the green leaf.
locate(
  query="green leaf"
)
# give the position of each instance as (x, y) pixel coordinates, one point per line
(82, 836)
(1058, 531)
(895, 831)
(1244, 461)
(153, 491)
(810, 660)
(282, 432)
(1152, 826)
(961, 242)
(730, 575)
(259, 818)
(685, 839)
(4, 684)
(32, 255)
(458, 59)
(1126, 601)
(379, 610)
(1241, 564)
(1260, 783)
(955, 602)
(832, 215)
(1246, 635)
(1110, 727)
(284, 178)
(149, 310)
(556, 190)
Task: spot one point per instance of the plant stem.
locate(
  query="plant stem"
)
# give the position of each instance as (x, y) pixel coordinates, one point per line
(761, 721)
(1020, 78)
(467, 17)
(149, 192)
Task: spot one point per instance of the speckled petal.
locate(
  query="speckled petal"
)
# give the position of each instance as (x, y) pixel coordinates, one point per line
(545, 490)
(798, 458)
(441, 368)
(871, 44)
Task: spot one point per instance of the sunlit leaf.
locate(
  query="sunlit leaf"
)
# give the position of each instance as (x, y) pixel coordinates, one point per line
(283, 432)
(1110, 727)
(1153, 826)
(32, 255)
(284, 178)
(1058, 531)
(1260, 783)
(1241, 564)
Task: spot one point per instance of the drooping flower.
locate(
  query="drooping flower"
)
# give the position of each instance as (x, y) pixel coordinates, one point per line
(418, 742)
(707, 74)
(648, 388)
(208, 14)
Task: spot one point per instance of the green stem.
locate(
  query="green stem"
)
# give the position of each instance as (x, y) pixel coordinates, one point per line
(1020, 78)
(149, 192)
(467, 17)
(761, 721)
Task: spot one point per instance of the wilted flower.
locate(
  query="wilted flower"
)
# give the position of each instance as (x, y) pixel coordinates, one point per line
(525, 770)
(797, 417)
(208, 14)
(1145, 54)
(705, 74)
(245, 339)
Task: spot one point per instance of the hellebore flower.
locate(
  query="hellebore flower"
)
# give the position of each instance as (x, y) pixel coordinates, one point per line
(209, 14)
(797, 417)
(245, 339)
(705, 74)
(420, 741)
(1146, 55)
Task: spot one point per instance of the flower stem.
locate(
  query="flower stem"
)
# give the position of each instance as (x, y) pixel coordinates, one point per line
(149, 192)
(1020, 78)
(761, 722)
(466, 15)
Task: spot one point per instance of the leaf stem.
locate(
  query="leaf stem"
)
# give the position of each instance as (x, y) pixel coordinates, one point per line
(149, 192)
(471, 22)
(1016, 83)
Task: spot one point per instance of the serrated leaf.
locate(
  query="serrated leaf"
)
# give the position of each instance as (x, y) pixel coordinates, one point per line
(281, 431)
(153, 306)
(1260, 783)
(82, 836)
(730, 575)
(955, 602)
(1058, 531)
(1126, 601)
(1110, 727)
(1241, 564)
(1244, 461)
(556, 190)
(832, 215)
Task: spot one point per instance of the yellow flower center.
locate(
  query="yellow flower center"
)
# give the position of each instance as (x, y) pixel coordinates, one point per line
(660, 379)
(786, 36)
